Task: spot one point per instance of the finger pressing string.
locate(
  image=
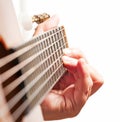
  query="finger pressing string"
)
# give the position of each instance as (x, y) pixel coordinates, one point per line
(74, 53)
(70, 63)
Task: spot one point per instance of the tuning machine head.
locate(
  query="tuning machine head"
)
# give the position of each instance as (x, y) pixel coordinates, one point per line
(40, 18)
(27, 21)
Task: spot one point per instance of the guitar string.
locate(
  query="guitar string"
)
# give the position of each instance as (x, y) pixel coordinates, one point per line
(16, 68)
(7, 75)
(16, 82)
(18, 96)
(16, 54)
(25, 104)
(31, 98)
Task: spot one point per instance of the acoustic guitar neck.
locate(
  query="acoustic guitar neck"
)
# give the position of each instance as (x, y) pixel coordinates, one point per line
(30, 71)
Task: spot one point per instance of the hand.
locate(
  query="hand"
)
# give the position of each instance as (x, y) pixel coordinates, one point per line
(70, 94)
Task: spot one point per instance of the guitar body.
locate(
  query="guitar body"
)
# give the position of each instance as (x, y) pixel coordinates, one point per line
(10, 37)
(34, 116)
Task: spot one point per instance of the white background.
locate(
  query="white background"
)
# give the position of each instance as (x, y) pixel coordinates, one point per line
(94, 27)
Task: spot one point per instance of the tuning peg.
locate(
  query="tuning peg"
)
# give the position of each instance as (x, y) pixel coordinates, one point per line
(40, 18)
(27, 20)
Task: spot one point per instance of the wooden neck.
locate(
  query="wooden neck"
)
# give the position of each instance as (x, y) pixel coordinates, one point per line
(38, 67)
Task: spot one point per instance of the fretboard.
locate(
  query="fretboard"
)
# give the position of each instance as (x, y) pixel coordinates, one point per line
(37, 68)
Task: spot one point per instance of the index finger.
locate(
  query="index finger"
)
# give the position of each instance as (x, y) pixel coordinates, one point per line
(74, 53)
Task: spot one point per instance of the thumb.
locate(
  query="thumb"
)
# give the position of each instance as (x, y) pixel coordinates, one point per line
(52, 22)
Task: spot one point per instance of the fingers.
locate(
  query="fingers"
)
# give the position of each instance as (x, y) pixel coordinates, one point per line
(78, 68)
(74, 53)
(84, 82)
(47, 25)
(77, 54)
(71, 65)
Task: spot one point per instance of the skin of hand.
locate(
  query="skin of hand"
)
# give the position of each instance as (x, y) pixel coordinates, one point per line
(81, 80)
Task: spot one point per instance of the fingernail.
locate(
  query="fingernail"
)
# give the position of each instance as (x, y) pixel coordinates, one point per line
(68, 60)
(82, 60)
(65, 59)
(67, 51)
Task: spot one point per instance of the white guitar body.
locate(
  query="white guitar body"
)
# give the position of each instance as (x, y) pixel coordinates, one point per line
(9, 32)
(34, 116)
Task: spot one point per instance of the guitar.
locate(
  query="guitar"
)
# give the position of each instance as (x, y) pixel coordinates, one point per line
(28, 70)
